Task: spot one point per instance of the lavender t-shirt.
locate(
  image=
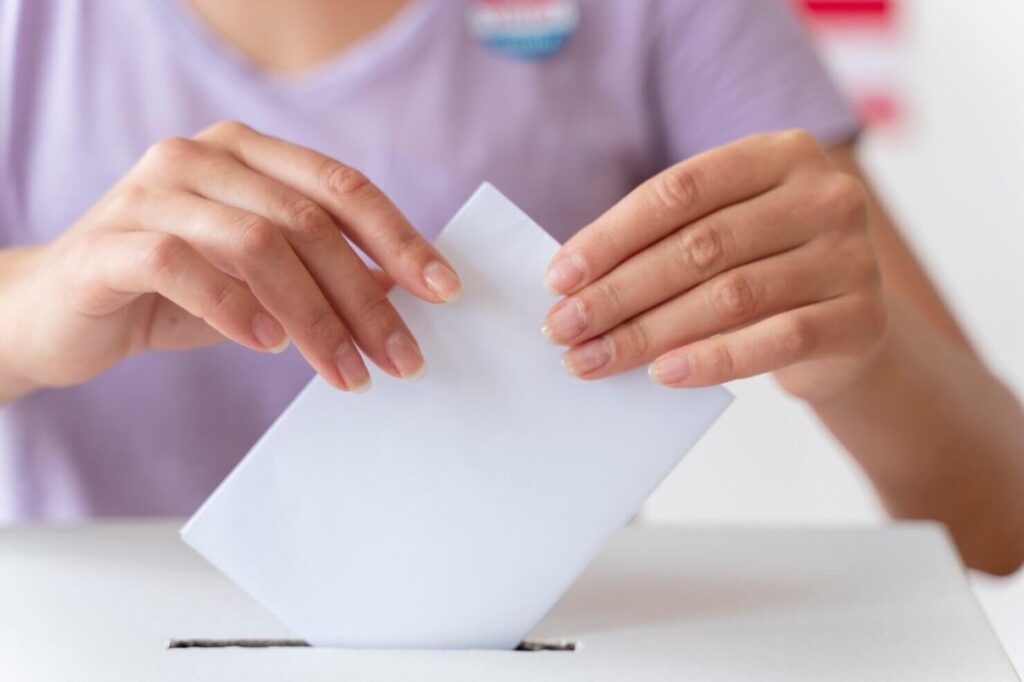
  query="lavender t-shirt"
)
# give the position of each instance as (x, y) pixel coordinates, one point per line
(421, 106)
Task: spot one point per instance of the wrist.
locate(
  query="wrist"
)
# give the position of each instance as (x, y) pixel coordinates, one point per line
(14, 264)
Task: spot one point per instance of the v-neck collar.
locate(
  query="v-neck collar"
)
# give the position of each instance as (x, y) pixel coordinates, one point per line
(343, 72)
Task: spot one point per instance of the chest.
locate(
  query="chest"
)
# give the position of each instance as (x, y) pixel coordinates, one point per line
(428, 119)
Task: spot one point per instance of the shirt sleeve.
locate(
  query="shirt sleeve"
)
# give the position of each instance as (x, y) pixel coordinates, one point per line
(731, 68)
(13, 24)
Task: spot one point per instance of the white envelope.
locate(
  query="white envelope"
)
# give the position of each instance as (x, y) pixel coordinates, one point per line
(452, 512)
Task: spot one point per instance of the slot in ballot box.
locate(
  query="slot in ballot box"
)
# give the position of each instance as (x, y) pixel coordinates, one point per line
(105, 602)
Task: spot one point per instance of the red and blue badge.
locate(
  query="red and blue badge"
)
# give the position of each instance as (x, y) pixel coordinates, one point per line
(523, 29)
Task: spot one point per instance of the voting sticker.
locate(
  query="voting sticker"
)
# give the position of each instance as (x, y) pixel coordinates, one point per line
(523, 29)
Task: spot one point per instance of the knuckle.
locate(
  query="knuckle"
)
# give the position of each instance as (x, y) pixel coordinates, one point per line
(373, 310)
(587, 254)
(605, 295)
(325, 328)
(633, 343)
(800, 142)
(836, 249)
(734, 297)
(307, 221)
(848, 259)
(858, 256)
(700, 248)
(228, 129)
(677, 187)
(796, 336)
(171, 150)
(219, 298)
(411, 243)
(342, 180)
(844, 196)
(257, 236)
(129, 199)
(719, 363)
(164, 257)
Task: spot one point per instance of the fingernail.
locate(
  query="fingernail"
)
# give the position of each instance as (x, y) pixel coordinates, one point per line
(442, 281)
(565, 322)
(565, 273)
(671, 369)
(269, 333)
(350, 366)
(591, 356)
(405, 355)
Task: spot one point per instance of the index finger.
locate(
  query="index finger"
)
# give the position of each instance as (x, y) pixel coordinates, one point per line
(364, 213)
(674, 198)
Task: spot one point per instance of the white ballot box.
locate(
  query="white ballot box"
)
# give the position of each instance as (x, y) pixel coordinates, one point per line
(131, 602)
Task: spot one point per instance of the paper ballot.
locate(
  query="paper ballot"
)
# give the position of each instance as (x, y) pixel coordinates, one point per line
(451, 512)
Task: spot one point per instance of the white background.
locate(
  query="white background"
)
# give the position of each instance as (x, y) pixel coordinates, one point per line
(954, 177)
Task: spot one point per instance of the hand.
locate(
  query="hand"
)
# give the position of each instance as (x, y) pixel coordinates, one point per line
(231, 234)
(753, 257)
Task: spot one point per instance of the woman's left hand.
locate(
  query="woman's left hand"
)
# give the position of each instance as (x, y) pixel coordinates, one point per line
(749, 258)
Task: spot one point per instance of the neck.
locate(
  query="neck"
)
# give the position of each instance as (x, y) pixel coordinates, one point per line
(290, 36)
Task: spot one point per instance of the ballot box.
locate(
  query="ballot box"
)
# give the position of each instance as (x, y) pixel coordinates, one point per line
(130, 602)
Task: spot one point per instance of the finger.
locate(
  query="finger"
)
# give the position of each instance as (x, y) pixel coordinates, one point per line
(733, 236)
(766, 346)
(675, 197)
(255, 250)
(172, 327)
(339, 273)
(730, 300)
(136, 263)
(365, 214)
(383, 279)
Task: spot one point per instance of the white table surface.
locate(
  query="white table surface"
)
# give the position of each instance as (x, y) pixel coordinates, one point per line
(100, 602)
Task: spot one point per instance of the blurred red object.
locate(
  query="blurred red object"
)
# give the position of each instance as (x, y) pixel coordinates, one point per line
(862, 42)
(848, 11)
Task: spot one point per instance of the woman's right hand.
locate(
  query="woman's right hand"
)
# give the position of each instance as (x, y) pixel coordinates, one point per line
(231, 234)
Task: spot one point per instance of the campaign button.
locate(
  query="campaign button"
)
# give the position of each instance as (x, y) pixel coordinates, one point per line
(523, 29)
